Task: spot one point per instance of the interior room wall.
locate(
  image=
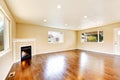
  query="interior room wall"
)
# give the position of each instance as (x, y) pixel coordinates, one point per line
(40, 33)
(6, 60)
(106, 46)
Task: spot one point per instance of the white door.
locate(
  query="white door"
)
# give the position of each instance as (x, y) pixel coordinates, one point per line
(116, 41)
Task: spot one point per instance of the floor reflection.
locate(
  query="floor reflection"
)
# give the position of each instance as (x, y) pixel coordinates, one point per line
(84, 59)
(25, 64)
(55, 65)
(90, 65)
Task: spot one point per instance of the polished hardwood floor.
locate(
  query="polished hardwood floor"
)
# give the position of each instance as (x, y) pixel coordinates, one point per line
(68, 65)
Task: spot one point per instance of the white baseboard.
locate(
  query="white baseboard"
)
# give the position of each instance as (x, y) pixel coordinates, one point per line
(57, 51)
(98, 51)
(8, 71)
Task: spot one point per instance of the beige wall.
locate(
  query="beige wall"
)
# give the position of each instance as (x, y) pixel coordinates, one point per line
(6, 60)
(72, 38)
(106, 46)
(41, 35)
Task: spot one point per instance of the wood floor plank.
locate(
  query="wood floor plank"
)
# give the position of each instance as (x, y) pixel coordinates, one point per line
(68, 65)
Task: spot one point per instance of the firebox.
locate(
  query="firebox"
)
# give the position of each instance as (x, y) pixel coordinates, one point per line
(26, 53)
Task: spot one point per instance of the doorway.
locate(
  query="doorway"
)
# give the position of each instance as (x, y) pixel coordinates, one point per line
(116, 44)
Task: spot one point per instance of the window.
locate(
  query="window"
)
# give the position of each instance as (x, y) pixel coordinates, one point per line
(55, 37)
(1, 31)
(94, 36)
(4, 32)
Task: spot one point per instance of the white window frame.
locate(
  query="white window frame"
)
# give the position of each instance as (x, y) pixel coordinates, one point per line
(84, 38)
(62, 41)
(6, 33)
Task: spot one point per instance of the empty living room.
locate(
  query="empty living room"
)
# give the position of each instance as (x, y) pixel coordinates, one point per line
(59, 40)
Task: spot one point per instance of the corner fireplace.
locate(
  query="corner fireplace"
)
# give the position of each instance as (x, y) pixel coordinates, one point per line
(26, 53)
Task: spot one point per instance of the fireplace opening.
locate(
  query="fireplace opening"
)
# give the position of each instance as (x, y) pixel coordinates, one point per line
(25, 53)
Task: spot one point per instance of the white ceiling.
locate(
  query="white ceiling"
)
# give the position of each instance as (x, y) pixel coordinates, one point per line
(69, 16)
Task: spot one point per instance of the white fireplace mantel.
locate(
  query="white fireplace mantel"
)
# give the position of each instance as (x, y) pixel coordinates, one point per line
(18, 43)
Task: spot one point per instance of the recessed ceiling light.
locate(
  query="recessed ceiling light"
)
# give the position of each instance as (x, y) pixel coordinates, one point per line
(66, 24)
(85, 16)
(58, 6)
(45, 20)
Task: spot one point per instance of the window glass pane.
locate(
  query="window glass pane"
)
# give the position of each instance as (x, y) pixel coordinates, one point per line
(55, 37)
(94, 36)
(83, 37)
(1, 31)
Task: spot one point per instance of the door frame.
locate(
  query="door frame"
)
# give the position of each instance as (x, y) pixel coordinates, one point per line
(116, 42)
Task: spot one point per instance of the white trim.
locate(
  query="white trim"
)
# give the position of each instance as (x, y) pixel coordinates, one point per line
(23, 40)
(116, 42)
(1, 8)
(14, 50)
(34, 47)
(98, 36)
(6, 49)
(17, 61)
(4, 52)
(98, 51)
(85, 40)
(8, 71)
(56, 51)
